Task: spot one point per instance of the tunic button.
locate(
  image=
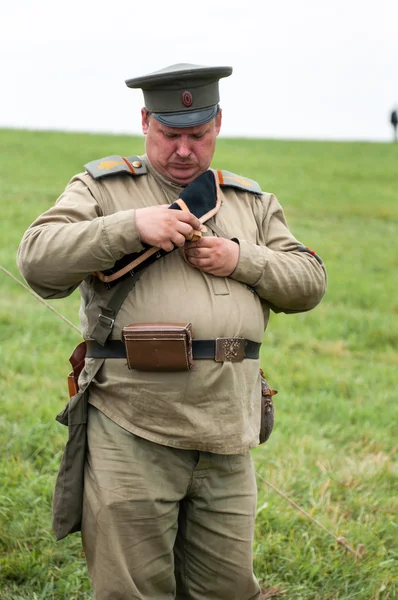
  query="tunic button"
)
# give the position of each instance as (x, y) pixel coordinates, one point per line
(137, 164)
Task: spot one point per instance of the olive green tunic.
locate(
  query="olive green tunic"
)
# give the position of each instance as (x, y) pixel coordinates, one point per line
(214, 407)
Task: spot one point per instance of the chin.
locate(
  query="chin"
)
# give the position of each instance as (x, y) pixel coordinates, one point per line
(185, 180)
(184, 175)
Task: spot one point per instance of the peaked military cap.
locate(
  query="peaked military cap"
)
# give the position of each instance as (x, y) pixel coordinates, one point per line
(182, 95)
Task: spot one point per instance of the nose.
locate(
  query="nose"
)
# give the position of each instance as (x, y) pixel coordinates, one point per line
(183, 149)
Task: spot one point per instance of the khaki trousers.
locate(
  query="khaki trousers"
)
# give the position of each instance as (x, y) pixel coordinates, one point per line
(161, 523)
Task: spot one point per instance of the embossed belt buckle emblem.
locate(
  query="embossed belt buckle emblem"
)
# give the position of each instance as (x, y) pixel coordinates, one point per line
(230, 349)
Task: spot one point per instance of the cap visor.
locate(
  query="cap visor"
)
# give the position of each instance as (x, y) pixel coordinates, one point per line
(187, 118)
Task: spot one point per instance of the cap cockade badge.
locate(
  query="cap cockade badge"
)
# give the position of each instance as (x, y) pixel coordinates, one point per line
(187, 99)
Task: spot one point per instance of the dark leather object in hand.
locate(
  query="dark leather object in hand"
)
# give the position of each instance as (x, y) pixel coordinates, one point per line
(267, 410)
(200, 196)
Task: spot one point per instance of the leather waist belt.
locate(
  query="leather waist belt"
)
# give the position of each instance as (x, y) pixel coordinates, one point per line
(220, 349)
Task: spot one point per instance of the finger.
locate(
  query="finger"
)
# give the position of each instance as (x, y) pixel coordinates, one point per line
(178, 239)
(191, 245)
(167, 245)
(185, 229)
(209, 242)
(188, 217)
(201, 262)
(199, 252)
(203, 242)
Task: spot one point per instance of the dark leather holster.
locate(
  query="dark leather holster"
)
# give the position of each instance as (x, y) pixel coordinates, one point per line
(77, 362)
(267, 410)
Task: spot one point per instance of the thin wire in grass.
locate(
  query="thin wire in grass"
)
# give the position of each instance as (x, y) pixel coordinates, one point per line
(40, 299)
(339, 539)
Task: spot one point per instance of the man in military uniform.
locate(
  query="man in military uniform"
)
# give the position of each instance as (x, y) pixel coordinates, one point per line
(169, 488)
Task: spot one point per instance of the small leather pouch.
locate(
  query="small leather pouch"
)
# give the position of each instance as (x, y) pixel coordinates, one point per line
(158, 346)
(267, 410)
(77, 362)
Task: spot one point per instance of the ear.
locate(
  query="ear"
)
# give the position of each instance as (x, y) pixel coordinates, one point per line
(218, 121)
(144, 120)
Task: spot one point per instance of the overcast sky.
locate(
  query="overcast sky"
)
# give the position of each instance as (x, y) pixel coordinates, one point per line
(320, 69)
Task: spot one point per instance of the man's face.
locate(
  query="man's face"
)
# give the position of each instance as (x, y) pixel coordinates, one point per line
(181, 154)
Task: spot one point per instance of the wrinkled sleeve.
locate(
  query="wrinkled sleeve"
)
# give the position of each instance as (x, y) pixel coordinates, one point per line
(288, 279)
(73, 239)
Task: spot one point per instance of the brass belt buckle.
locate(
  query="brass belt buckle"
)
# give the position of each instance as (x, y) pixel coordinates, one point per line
(230, 349)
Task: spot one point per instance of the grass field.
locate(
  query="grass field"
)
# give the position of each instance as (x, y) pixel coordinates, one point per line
(335, 444)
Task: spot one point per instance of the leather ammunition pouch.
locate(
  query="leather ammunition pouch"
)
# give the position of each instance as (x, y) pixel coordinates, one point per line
(158, 346)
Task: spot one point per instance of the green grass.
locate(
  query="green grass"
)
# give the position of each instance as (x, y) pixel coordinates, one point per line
(334, 447)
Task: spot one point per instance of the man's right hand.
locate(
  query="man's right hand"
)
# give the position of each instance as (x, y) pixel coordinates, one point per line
(164, 228)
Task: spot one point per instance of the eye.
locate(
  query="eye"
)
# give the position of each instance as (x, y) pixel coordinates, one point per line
(198, 136)
(170, 136)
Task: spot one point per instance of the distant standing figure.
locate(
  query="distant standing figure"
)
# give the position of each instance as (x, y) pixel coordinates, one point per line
(394, 122)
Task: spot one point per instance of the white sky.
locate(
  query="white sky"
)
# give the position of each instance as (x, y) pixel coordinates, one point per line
(302, 68)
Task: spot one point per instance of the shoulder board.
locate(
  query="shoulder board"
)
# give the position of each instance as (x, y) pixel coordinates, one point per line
(110, 165)
(230, 179)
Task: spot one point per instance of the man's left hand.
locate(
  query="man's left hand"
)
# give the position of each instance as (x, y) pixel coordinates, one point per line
(213, 255)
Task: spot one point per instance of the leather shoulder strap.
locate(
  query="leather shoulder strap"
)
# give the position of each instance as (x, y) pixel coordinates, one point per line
(106, 319)
(112, 165)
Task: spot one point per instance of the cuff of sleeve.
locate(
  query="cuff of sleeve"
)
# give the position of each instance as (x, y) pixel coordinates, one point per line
(121, 234)
(251, 263)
